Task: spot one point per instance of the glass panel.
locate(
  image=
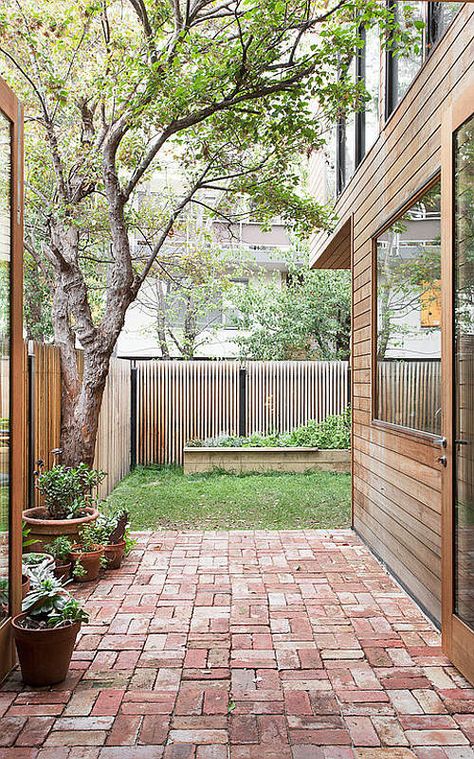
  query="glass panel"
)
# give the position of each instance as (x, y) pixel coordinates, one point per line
(350, 134)
(409, 318)
(464, 370)
(441, 16)
(405, 67)
(372, 84)
(5, 238)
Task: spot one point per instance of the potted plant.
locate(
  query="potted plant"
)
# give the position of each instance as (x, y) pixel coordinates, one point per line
(69, 502)
(45, 632)
(87, 554)
(115, 530)
(60, 549)
(31, 561)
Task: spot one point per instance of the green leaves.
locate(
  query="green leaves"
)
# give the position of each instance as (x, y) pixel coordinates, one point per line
(67, 490)
(49, 603)
(308, 318)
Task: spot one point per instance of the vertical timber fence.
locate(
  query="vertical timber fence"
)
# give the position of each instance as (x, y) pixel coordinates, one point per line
(42, 392)
(181, 400)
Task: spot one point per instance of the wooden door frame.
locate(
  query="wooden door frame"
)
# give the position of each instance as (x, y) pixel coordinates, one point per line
(458, 638)
(11, 108)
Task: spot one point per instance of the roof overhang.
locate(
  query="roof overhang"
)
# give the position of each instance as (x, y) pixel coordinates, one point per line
(333, 251)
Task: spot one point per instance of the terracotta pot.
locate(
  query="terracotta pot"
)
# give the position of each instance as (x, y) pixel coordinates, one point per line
(63, 570)
(44, 655)
(25, 586)
(44, 531)
(90, 561)
(114, 554)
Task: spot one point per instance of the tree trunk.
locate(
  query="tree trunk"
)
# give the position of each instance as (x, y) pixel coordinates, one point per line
(190, 330)
(82, 387)
(80, 414)
(161, 322)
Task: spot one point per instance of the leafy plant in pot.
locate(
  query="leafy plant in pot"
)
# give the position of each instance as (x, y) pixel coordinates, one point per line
(115, 532)
(87, 554)
(70, 496)
(60, 549)
(46, 631)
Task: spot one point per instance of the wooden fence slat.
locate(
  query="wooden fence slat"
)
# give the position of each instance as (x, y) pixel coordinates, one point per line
(181, 400)
(113, 437)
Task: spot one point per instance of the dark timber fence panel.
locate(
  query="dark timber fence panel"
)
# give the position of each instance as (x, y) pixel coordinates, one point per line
(42, 393)
(181, 400)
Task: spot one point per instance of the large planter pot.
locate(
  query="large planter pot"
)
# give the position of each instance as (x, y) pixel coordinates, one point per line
(114, 554)
(90, 561)
(44, 655)
(45, 530)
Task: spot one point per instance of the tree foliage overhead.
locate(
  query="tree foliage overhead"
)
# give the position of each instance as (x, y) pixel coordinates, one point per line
(307, 318)
(230, 87)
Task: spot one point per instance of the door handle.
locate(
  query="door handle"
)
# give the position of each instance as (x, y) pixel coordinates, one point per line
(441, 441)
(443, 460)
(461, 442)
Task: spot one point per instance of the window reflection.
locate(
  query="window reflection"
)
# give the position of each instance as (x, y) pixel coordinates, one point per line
(464, 370)
(409, 317)
(405, 67)
(371, 74)
(440, 17)
(5, 240)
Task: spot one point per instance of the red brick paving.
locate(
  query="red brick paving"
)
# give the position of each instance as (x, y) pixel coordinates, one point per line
(241, 645)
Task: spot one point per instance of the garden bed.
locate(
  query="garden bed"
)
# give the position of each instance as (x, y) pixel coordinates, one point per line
(265, 459)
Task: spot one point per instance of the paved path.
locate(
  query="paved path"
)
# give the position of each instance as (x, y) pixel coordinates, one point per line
(265, 645)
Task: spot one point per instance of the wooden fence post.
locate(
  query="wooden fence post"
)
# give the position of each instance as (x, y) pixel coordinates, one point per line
(133, 415)
(31, 426)
(242, 401)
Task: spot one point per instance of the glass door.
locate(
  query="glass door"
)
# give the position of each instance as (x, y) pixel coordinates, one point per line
(457, 276)
(12, 378)
(5, 257)
(463, 450)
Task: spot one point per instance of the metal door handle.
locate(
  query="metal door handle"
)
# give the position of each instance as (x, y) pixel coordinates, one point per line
(461, 442)
(443, 460)
(441, 441)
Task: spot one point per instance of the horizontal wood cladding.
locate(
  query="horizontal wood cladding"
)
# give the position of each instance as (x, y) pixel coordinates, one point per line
(397, 478)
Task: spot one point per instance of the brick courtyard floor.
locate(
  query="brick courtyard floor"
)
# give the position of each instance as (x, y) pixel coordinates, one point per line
(273, 645)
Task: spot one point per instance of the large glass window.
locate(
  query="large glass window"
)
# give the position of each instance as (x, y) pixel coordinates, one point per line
(357, 132)
(440, 16)
(408, 319)
(370, 71)
(5, 245)
(402, 69)
(464, 370)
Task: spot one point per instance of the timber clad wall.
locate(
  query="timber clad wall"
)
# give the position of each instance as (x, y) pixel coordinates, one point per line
(397, 479)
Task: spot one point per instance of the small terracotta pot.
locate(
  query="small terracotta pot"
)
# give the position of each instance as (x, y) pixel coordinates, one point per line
(90, 561)
(63, 570)
(44, 655)
(25, 586)
(45, 530)
(114, 554)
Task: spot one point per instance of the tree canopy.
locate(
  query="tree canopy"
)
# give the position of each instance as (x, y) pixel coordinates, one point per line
(234, 90)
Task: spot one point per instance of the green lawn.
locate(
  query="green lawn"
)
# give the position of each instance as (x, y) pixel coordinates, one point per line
(162, 497)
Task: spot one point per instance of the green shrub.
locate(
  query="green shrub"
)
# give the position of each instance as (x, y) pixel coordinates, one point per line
(332, 432)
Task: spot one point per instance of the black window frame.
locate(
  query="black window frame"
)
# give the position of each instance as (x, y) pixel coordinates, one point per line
(430, 39)
(360, 125)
